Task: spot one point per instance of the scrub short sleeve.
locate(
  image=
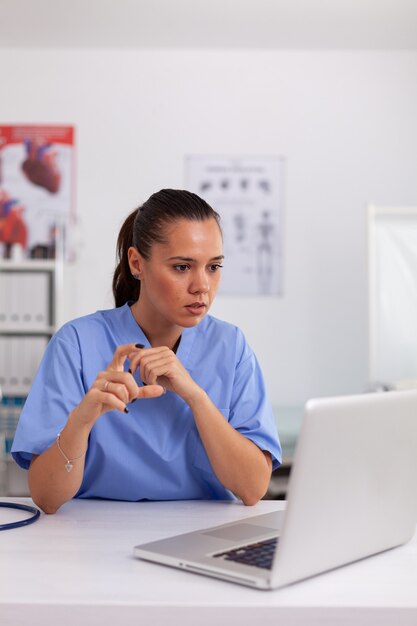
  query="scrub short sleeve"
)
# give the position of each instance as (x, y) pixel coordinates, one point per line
(56, 391)
(251, 413)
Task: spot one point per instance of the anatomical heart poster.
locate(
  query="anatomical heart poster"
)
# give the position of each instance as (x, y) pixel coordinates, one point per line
(37, 213)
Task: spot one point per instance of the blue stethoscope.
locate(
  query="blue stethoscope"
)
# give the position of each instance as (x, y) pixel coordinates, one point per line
(35, 513)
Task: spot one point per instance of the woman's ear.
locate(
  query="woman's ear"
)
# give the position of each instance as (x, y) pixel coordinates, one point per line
(135, 262)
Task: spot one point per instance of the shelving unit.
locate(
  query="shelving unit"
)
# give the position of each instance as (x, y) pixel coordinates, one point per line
(28, 317)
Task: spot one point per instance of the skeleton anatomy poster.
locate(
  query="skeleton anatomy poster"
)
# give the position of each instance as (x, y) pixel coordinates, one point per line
(247, 193)
(36, 190)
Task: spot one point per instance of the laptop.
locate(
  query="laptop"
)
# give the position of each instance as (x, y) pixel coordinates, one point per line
(352, 494)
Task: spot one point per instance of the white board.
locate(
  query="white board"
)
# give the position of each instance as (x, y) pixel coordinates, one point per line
(393, 296)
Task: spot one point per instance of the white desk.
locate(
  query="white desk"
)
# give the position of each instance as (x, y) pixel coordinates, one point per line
(76, 568)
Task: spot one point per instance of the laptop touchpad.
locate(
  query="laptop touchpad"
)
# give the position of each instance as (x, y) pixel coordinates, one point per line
(239, 532)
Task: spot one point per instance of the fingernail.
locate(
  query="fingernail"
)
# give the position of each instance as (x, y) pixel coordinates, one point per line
(126, 409)
(139, 345)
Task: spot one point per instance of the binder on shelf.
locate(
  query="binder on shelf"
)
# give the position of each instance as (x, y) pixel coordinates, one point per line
(26, 303)
(10, 409)
(19, 361)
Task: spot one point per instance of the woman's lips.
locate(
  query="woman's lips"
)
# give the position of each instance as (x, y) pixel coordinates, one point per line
(197, 308)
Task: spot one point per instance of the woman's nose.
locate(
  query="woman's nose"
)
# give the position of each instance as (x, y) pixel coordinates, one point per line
(200, 283)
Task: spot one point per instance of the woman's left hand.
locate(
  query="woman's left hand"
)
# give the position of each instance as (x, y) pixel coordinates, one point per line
(160, 366)
(238, 463)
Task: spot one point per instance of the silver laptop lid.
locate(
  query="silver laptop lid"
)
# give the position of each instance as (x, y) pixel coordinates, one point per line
(353, 487)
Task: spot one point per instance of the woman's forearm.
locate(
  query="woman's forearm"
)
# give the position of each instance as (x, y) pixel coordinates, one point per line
(237, 462)
(50, 483)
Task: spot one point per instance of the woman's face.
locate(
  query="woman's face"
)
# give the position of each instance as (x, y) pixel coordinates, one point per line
(180, 279)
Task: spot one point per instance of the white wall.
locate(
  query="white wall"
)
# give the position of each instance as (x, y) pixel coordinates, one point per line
(345, 123)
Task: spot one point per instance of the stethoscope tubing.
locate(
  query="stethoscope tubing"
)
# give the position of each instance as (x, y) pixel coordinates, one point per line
(21, 507)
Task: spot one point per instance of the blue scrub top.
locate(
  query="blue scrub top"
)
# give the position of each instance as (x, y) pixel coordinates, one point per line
(154, 452)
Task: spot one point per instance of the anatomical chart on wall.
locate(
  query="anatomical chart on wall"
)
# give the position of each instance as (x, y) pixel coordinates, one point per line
(36, 191)
(247, 193)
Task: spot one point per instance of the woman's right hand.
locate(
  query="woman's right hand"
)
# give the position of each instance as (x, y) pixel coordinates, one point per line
(50, 483)
(113, 389)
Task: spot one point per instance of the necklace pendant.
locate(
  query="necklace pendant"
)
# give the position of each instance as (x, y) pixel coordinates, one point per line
(68, 466)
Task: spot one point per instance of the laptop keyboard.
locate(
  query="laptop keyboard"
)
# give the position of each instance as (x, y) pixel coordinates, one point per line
(260, 554)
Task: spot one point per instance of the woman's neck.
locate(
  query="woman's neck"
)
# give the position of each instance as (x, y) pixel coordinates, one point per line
(157, 335)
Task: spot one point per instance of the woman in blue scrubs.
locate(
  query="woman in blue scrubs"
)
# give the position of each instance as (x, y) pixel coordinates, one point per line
(154, 399)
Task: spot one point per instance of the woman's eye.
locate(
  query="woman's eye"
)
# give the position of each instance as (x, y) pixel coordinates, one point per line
(181, 268)
(215, 267)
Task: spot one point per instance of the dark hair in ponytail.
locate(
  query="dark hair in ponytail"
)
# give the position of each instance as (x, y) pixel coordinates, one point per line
(146, 226)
